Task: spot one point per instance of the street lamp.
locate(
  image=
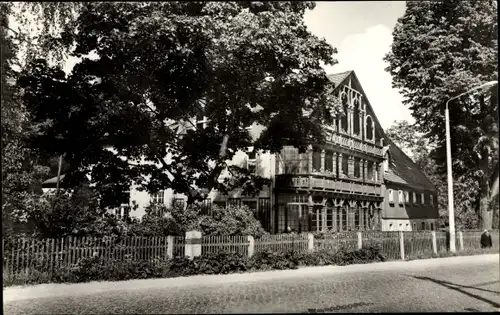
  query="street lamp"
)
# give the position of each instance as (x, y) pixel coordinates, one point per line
(451, 212)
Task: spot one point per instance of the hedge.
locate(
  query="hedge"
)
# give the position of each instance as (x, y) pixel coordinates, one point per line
(95, 269)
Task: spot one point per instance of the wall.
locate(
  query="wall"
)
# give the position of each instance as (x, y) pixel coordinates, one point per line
(264, 167)
(408, 225)
(408, 211)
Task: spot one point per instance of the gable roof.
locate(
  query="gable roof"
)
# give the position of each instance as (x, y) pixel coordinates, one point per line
(338, 78)
(402, 169)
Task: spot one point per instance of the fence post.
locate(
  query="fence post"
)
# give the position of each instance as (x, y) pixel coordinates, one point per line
(402, 244)
(251, 245)
(461, 240)
(193, 244)
(170, 246)
(310, 242)
(360, 240)
(434, 242)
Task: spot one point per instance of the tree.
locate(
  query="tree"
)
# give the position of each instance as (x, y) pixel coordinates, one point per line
(158, 66)
(439, 50)
(21, 172)
(405, 136)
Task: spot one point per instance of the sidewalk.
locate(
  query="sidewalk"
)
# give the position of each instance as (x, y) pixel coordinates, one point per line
(54, 290)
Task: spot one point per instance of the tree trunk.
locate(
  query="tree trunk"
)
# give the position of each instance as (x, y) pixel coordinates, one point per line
(485, 215)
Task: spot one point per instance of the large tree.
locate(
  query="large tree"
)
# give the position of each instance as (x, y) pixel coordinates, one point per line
(160, 65)
(441, 49)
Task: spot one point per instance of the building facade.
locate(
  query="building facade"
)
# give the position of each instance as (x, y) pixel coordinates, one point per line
(357, 180)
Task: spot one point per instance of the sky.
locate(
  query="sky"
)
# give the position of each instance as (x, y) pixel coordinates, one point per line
(362, 33)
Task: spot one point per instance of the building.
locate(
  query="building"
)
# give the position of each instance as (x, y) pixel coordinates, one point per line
(358, 180)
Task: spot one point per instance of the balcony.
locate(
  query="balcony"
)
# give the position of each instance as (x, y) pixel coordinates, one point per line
(327, 183)
(351, 143)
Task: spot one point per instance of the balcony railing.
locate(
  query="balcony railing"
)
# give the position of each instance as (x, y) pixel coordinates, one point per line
(327, 183)
(351, 143)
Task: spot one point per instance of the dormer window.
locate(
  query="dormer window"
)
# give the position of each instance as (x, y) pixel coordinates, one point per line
(391, 196)
(386, 162)
(400, 197)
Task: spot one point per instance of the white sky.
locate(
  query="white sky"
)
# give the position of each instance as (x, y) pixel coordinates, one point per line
(362, 33)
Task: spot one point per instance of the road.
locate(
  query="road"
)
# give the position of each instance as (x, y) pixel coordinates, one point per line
(455, 284)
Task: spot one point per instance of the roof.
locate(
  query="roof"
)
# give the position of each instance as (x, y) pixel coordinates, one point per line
(53, 180)
(402, 170)
(337, 78)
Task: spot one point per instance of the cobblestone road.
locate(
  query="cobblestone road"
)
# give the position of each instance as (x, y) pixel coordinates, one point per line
(437, 285)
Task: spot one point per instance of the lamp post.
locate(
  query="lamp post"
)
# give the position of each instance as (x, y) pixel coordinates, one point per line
(451, 213)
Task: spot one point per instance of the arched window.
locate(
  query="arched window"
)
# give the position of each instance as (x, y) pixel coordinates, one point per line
(343, 119)
(356, 125)
(369, 126)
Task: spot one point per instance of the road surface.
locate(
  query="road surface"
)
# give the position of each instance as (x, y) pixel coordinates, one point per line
(470, 283)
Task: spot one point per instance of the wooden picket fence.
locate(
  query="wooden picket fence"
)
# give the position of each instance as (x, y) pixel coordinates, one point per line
(225, 243)
(282, 242)
(23, 257)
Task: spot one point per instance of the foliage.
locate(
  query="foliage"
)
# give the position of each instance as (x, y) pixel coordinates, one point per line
(231, 220)
(440, 50)
(160, 221)
(97, 268)
(21, 174)
(158, 65)
(75, 213)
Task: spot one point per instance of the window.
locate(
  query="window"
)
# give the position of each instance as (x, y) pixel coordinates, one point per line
(432, 199)
(386, 162)
(400, 197)
(390, 227)
(391, 196)
(281, 218)
(264, 213)
(370, 171)
(407, 227)
(414, 198)
(422, 198)
(369, 128)
(357, 163)
(329, 216)
(329, 161)
(294, 162)
(432, 226)
(299, 198)
(316, 160)
(423, 226)
(338, 220)
(407, 197)
(343, 119)
(400, 227)
(356, 126)
(356, 218)
(206, 206)
(251, 204)
(158, 198)
(344, 219)
(414, 226)
(251, 161)
(234, 202)
(345, 165)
